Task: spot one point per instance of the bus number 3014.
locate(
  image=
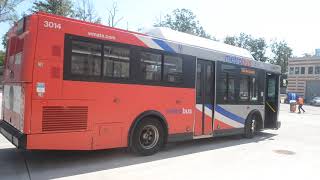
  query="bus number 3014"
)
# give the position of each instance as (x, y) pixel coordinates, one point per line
(52, 25)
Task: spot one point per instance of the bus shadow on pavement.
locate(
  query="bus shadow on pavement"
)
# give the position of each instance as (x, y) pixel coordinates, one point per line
(58, 164)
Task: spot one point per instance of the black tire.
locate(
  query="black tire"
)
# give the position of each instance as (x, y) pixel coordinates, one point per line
(147, 137)
(250, 128)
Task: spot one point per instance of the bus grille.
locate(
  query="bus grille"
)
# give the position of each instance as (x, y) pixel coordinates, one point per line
(61, 118)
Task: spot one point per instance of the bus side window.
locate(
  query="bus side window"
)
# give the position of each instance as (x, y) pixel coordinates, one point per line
(253, 89)
(151, 66)
(172, 70)
(85, 59)
(231, 88)
(116, 62)
(227, 85)
(244, 88)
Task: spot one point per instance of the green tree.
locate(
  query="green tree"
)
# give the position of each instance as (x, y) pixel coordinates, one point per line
(58, 7)
(1, 57)
(281, 53)
(4, 40)
(256, 46)
(183, 20)
(243, 40)
(7, 10)
(13, 19)
(232, 40)
(85, 11)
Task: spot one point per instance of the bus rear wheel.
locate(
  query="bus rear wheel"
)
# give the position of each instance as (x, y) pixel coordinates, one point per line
(250, 128)
(148, 137)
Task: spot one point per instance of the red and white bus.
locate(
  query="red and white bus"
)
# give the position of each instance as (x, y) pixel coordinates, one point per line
(74, 85)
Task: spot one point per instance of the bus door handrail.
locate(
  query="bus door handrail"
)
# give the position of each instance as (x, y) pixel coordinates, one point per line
(270, 107)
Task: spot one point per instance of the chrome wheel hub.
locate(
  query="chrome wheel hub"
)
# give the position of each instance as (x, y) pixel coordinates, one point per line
(253, 125)
(149, 137)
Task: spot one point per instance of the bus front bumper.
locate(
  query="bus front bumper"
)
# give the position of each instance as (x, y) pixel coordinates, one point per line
(13, 135)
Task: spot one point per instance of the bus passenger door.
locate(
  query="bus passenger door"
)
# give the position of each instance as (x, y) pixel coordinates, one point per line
(204, 98)
(271, 101)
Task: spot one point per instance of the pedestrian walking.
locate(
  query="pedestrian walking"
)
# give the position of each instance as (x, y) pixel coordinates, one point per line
(300, 104)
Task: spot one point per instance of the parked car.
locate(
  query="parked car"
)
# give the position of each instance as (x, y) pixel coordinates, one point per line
(315, 101)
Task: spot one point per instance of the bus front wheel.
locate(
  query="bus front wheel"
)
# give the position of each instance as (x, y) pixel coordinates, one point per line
(250, 126)
(148, 137)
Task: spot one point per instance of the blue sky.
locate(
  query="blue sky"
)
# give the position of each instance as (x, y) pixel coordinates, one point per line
(295, 21)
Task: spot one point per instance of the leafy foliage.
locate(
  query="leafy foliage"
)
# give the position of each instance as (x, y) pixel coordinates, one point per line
(1, 57)
(183, 20)
(85, 11)
(58, 7)
(7, 10)
(231, 40)
(257, 47)
(4, 40)
(281, 53)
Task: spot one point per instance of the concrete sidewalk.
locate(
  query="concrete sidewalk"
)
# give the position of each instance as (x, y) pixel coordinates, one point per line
(292, 152)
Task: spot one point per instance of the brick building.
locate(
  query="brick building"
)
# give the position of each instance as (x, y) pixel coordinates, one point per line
(304, 76)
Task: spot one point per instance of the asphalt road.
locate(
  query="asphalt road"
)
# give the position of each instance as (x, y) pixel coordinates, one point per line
(292, 152)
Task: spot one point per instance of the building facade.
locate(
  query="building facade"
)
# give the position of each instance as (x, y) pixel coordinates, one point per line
(304, 76)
